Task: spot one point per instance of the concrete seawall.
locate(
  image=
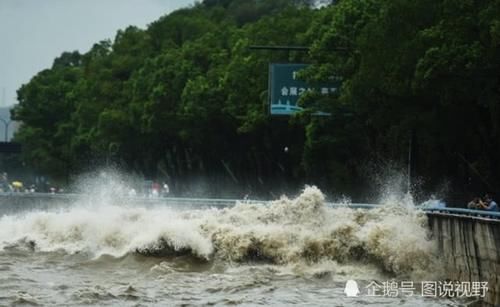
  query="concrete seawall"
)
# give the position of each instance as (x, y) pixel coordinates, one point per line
(21, 202)
(470, 247)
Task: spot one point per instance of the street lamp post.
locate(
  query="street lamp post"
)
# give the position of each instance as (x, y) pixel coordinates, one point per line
(6, 124)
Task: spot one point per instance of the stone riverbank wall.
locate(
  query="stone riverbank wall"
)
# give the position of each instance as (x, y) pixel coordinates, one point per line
(470, 247)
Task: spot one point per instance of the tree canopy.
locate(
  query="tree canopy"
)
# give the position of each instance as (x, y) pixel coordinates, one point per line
(186, 99)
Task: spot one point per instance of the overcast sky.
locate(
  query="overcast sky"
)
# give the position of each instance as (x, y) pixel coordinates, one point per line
(34, 32)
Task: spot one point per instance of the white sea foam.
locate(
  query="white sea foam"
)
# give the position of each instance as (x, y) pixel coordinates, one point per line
(286, 232)
(106, 230)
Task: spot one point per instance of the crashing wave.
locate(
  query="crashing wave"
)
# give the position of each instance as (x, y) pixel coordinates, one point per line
(284, 231)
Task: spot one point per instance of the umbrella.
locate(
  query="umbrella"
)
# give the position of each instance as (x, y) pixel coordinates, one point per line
(17, 184)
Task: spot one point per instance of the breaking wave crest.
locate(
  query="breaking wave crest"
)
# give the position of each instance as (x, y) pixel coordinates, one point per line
(286, 231)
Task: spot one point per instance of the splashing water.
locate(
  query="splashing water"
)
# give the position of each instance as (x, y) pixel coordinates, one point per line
(104, 251)
(284, 232)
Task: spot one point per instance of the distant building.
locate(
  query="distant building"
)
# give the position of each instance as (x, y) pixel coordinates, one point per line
(6, 122)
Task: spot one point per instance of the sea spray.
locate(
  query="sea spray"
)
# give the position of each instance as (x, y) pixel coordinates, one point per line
(284, 232)
(103, 230)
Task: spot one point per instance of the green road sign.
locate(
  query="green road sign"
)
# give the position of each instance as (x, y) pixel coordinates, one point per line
(285, 88)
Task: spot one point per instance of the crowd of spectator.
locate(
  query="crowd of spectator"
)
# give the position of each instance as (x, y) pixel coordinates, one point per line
(483, 203)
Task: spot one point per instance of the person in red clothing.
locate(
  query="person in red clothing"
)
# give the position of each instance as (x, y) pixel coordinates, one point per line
(155, 189)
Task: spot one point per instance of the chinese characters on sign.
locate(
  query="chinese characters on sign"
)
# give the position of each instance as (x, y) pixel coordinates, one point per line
(285, 88)
(428, 289)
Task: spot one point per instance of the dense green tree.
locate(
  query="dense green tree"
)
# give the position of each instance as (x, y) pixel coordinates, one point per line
(45, 107)
(186, 98)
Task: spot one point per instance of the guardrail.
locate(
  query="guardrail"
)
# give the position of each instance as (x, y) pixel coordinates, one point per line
(443, 210)
(224, 202)
(464, 212)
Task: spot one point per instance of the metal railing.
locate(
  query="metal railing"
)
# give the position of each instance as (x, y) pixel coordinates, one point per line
(224, 202)
(464, 212)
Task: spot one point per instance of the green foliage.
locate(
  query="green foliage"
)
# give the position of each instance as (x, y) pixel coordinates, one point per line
(186, 98)
(422, 67)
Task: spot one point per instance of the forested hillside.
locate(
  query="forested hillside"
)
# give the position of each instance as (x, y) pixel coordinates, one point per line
(185, 100)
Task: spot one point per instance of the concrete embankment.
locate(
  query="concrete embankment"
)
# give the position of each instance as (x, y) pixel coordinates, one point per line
(18, 202)
(15, 202)
(470, 247)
